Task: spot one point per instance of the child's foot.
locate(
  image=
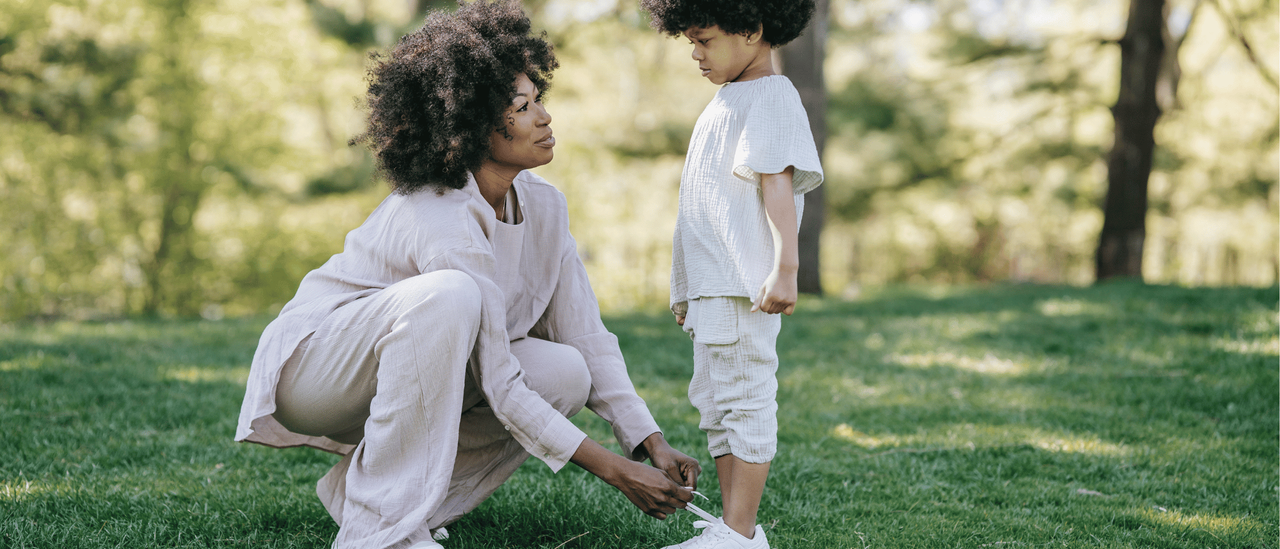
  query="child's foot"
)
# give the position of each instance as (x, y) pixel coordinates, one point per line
(717, 534)
(720, 536)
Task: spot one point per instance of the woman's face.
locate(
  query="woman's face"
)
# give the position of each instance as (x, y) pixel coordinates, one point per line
(527, 141)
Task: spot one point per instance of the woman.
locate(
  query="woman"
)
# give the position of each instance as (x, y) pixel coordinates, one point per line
(457, 331)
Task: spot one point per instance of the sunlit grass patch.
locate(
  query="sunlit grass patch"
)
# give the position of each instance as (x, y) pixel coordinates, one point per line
(19, 489)
(31, 362)
(197, 374)
(1067, 306)
(972, 437)
(987, 364)
(1215, 524)
(1269, 347)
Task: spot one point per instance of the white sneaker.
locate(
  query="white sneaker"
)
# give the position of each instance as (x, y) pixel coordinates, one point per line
(440, 534)
(718, 535)
(426, 544)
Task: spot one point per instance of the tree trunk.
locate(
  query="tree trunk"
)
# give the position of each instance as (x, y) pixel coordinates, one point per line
(171, 270)
(801, 61)
(1129, 164)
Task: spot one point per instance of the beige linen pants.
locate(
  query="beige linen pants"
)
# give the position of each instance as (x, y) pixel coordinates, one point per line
(735, 383)
(389, 373)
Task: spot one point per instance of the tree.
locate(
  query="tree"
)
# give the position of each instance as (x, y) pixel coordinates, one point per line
(802, 62)
(1129, 163)
(140, 139)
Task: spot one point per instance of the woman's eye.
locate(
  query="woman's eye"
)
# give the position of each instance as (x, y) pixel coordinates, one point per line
(523, 108)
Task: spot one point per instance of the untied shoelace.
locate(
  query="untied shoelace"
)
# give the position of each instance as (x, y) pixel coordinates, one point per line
(711, 521)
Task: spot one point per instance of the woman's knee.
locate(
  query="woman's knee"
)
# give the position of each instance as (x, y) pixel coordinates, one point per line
(555, 371)
(447, 295)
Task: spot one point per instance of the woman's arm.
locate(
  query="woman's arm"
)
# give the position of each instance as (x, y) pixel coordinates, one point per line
(648, 488)
(572, 318)
(778, 294)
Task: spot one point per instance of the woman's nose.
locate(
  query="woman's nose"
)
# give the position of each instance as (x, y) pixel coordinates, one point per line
(545, 116)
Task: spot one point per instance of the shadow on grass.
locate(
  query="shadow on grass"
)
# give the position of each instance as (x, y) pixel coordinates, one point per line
(1115, 416)
(1162, 399)
(119, 434)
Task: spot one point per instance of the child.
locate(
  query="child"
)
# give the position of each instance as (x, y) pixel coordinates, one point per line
(750, 161)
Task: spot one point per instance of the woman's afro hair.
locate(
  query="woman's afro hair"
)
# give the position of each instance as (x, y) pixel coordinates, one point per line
(783, 20)
(435, 98)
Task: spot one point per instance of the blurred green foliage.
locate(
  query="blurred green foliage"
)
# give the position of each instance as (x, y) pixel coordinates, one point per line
(178, 158)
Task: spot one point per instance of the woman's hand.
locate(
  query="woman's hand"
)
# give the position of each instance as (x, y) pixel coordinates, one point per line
(649, 489)
(646, 487)
(678, 467)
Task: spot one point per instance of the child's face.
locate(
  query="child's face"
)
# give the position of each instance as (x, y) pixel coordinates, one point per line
(722, 57)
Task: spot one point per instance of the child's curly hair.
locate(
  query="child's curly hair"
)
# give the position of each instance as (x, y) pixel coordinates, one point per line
(783, 20)
(437, 95)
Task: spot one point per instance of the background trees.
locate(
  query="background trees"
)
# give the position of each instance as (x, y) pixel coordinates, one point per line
(177, 157)
(802, 61)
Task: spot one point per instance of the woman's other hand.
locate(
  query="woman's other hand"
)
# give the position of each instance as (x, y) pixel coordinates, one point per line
(651, 490)
(678, 467)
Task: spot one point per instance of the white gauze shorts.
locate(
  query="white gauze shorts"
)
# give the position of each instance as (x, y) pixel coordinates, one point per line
(735, 383)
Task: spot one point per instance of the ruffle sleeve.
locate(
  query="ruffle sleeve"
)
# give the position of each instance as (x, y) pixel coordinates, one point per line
(777, 135)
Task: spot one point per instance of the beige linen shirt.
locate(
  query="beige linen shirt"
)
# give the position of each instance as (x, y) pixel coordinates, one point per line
(722, 245)
(532, 284)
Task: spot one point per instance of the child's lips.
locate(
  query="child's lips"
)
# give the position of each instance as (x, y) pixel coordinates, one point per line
(705, 71)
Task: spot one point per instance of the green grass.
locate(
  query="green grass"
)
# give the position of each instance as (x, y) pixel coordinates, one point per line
(1006, 416)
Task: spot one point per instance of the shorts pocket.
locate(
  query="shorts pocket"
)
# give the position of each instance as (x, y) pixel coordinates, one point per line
(716, 322)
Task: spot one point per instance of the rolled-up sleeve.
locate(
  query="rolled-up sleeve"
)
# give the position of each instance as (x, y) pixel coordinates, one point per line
(572, 317)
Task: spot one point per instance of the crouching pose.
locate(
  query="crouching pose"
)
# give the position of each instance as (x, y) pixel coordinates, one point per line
(456, 332)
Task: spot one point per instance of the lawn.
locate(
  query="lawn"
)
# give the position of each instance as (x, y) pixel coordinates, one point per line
(1001, 416)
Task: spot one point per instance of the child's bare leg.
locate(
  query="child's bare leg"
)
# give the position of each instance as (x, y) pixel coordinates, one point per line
(741, 486)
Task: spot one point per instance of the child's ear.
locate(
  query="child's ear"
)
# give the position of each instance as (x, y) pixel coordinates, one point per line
(756, 35)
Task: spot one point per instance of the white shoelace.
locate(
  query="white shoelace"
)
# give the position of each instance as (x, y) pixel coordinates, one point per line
(715, 527)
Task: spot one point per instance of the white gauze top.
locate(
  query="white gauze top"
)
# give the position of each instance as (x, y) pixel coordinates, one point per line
(722, 244)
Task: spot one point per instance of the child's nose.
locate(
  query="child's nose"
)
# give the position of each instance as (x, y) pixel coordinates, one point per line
(697, 54)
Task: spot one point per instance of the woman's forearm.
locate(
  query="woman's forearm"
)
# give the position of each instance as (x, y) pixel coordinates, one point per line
(599, 461)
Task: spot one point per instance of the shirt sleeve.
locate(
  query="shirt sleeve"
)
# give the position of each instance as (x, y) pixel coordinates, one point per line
(573, 318)
(777, 135)
(534, 423)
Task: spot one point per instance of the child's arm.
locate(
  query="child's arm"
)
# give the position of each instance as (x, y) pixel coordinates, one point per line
(778, 294)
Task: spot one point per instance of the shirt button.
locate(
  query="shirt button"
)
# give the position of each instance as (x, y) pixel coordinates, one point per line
(507, 427)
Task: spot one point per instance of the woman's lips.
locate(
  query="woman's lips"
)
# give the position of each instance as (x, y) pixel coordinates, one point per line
(548, 142)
